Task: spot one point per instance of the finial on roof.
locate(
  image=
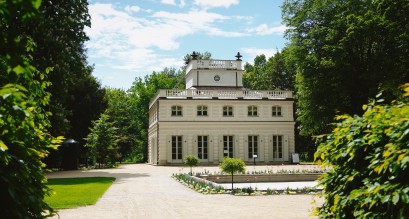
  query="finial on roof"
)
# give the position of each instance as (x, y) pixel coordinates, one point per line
(238, 56)
(194, 55)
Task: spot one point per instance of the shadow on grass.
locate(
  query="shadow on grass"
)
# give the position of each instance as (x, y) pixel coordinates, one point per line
(82, 180)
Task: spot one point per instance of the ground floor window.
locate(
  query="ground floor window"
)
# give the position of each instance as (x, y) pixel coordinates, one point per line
(228, 146)
(277, 146)
(176, 147)
(252, 145)
(202, 147)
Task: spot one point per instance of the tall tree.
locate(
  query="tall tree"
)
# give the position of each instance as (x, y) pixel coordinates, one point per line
(120, 111)
(24, 124)
(103, 141)
(142, 92)
(278, 72)
(76, 96)
(344, 51)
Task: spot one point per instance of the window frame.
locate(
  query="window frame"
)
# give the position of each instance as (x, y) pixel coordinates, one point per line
(202, 110)
(252, 111)
(278, 147)
(177, 147)
(228, 111)
(253, 147)
(203, 147)
(276, 111)
(176, 110)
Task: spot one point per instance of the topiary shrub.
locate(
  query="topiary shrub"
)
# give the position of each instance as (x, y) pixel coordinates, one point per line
(231, 166)
(191, 161)
(369, 156)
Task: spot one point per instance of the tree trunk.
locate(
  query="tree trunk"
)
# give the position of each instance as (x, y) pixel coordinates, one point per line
(232, 182)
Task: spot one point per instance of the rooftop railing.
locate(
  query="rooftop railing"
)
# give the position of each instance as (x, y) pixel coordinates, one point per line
(214, 64)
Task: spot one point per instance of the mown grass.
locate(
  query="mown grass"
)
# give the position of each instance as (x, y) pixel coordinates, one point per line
(76, 192)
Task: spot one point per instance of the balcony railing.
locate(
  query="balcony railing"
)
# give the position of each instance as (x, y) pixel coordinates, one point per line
(222, 94)
(225, 94)
(214, 64)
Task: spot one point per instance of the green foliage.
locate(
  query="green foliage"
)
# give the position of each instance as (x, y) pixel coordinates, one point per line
(76, 96)
(103, 141)
(369, 155)
(231, 166)
(198, 184)
(24, 124)
(141, 93)
(278, 72)
(76, 192)
(191, 160)
(343, 51)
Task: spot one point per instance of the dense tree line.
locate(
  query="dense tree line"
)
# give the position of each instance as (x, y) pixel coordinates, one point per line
(345, 51)
(25, 137)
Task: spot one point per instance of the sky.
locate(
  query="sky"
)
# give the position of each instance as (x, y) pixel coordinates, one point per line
(133, 38)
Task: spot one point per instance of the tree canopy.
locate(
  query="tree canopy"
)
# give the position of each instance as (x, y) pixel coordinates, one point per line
(344, 51)
(24, 122)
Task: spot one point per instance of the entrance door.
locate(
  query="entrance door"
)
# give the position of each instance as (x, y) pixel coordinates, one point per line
(277, 147)
(228, 146)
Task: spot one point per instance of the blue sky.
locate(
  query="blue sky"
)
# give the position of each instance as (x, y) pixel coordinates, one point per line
(132, 38)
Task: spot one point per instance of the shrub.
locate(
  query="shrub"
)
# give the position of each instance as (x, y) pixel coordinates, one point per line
(191, 161)
(231, 166)
(370, 158)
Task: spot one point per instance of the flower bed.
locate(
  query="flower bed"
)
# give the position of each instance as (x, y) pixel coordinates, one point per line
(205, 186)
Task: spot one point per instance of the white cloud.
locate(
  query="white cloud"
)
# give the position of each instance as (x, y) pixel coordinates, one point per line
(131, 42)
(216, 3)
(264, 29)
(168, 2)
(133, 8)
(250, 53)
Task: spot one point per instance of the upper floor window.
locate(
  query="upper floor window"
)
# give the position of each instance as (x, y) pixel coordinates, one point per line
(202, 110)
(227, 111)
(176, 111)
(252, 111)
(276, 111)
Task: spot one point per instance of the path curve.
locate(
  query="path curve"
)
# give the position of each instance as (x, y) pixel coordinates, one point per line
(145, 191)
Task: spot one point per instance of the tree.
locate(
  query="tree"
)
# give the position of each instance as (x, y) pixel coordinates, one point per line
(191, 161)
(231, 166)
(276, 73)
(103, 141)
(76, 96)
(24, 123)
(369, 160)
(344, 51)
(142, 92)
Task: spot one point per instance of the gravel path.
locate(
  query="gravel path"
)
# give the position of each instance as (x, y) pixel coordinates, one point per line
(144, 191)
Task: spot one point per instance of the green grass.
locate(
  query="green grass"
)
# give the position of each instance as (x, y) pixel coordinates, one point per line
(75, 192)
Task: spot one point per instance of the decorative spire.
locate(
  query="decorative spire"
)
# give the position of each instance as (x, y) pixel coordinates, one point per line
(238, 56)
(194, 55)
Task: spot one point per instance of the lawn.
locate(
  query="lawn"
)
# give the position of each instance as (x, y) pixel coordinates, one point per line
(75, 192)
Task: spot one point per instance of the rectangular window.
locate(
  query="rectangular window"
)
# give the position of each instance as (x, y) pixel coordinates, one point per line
(228, 146)
(202, 147)
(276, 111)
(176, 147)
(202, 110)
(277, 146)
(176, 111)
(227, 111)
(253, 145)
(252, 111)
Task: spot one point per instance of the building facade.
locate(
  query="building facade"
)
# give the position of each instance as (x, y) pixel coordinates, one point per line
(215, 117)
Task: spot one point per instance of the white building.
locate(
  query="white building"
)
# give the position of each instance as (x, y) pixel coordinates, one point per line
(216, 117)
